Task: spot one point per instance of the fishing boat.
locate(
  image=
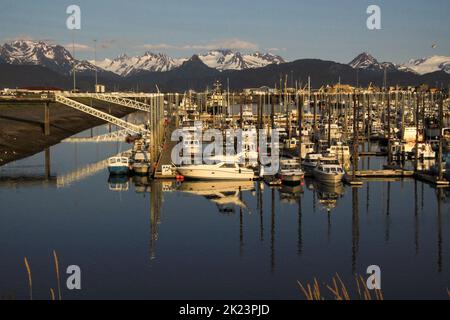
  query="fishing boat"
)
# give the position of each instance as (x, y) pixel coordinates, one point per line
(339, 151)
(140, 164)
(310, 162)
(306, 148)
(219, 171)
(119, 165)
(290, 171)
(328, 170)
(424, 151)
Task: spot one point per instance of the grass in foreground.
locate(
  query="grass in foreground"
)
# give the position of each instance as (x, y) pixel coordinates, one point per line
(338, 290)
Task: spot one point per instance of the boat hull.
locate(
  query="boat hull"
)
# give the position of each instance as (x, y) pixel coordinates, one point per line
(328, 178)
(141, 169)
(208, 174)
(118, 170)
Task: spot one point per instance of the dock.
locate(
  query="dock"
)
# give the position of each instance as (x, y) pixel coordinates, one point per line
(432, 179)
(164, 164)
(386, 173)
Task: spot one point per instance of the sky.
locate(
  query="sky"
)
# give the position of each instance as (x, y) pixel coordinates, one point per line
(295, 29)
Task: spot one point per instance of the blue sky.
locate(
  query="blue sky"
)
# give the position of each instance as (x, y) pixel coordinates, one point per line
(294, 29)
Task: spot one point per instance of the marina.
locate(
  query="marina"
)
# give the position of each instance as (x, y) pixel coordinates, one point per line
(272, 216)
(221, 159)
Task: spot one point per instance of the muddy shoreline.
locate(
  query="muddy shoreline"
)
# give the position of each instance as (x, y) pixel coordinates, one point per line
(22, 126)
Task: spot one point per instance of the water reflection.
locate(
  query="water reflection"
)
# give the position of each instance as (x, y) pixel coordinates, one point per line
(257, 237)
(227, 195)
(328, 194)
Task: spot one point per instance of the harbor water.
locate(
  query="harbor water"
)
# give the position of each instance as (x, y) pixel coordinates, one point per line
(138, 238)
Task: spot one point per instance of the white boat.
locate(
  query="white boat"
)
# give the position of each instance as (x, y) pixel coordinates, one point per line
(339, 151)
(409, 135)
(140, 163)
(118, 165)
(311, 161)
(220, 171)
(328, 171)
(306, 148)
(290, 171)
(424, 151)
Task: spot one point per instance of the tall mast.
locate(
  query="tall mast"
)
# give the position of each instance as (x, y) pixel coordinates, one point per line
(74, 61)
(95, 62)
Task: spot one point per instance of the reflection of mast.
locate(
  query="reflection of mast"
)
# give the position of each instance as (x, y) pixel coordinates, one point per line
(355, 227)
(328, 225)
(272, 233)
(47, 164)
(416, 218)
(241, 226)
(367, 197)
(388, 212)
(314, 200)
(261, 215)
(155, 215)
(300, 236)
(439, 226)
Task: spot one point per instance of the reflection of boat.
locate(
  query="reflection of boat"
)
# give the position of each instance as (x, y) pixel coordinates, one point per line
(290, 171)
(290, 193)
(329, 170)
(220, 171)
(118, 182)
(141, 183)
(222, 193)
(119, 165)
(329, 194)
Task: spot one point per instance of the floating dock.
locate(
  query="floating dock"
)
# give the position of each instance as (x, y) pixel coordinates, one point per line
(388, 173)
(432, 179)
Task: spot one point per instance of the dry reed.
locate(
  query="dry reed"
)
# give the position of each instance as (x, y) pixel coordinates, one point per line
(339, 291)
(30, 279)
(58, 279)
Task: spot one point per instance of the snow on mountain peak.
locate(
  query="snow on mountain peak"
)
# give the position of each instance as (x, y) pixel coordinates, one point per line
(428, 64)
(52, 56)
(124, 65)
(229, 60)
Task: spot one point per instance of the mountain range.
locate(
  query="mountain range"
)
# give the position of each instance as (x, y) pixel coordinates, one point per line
(221, 60)
(50, 64)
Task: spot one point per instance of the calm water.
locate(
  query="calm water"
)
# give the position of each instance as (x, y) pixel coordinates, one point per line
(162, 240)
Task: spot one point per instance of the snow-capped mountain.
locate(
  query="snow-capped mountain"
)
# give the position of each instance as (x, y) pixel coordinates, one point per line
(429, 64)
(52, 56)
(368, 62)
(216, 59)
(229, 60)
(124, 65)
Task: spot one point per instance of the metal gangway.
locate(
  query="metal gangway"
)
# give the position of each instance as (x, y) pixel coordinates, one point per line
(115, 98)
(132, 128)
